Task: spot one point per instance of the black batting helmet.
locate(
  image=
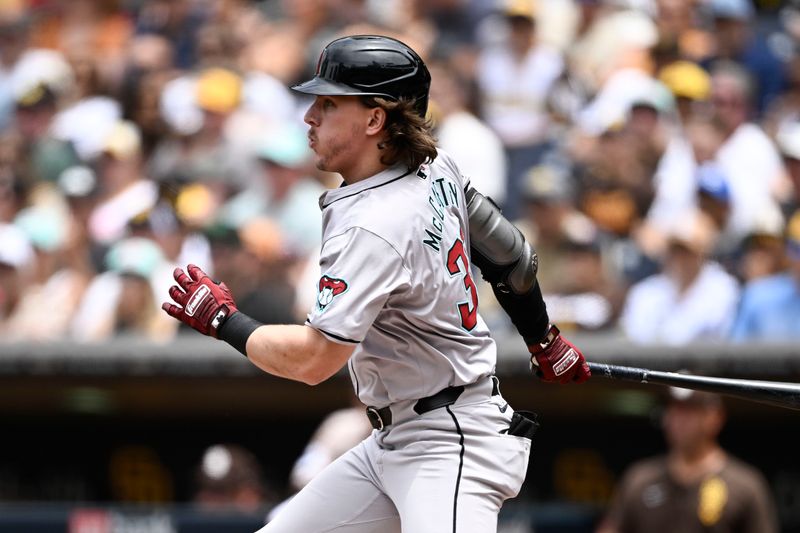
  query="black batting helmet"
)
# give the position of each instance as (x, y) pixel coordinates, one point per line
(370, 65)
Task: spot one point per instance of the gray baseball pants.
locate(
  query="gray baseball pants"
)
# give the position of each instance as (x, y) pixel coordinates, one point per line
(447, 470)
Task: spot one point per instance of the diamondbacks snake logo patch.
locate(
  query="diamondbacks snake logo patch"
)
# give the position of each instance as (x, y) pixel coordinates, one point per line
(329, 288)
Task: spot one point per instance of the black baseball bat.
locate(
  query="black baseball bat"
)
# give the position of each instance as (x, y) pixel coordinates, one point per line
(781, 394)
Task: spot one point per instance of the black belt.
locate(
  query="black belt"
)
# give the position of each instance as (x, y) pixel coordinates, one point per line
(380, 418)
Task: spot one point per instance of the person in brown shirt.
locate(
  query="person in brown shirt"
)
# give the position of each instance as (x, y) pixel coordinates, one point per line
(697, 486)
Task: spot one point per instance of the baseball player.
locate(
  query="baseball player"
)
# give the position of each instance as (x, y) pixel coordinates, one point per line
(398, 305)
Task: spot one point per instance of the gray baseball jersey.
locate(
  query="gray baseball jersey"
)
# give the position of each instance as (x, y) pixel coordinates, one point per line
(396, 281)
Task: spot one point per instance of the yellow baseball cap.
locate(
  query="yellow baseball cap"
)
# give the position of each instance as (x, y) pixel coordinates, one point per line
(219, 90)
(686, 79)
(195, 204)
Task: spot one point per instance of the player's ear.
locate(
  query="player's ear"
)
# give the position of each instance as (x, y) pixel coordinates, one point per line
(376, 120)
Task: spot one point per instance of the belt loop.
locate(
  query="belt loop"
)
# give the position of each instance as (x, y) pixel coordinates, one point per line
(376, 417)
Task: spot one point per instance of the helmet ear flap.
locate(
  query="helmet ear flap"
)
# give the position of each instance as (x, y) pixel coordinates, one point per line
(370, 65)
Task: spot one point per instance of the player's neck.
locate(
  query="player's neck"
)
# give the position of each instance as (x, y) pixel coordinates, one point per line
(688, 467)
(362, 169)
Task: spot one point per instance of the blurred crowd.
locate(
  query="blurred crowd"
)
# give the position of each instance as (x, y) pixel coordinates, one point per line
(650, 149)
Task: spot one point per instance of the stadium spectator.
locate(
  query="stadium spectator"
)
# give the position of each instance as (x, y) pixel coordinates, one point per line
(550, 217)
(13, 41)
(786, 40)
(53, 283)
(16, 260)
(610, 59)
(615, 174)
(287, 193)
(174, 225)
(124, 191)
(588, 298)
(712, 186)
(263, 284)
(463, 135)
(747, 156)
(514, 77)
(714, 199)
(690, 142)
(737, 39)
(90, 109)
(770, 307)
(42, 156)
(762, 253)
(675, 20)
(692, 299)
(79, 188)
(689, 84)
(178, 21)
(577, 285)
(203, 150)
(788, 140)
(100, 27)
(696, 486)
(149, 66)
(203, 86)
(12, 192)
(121, 301)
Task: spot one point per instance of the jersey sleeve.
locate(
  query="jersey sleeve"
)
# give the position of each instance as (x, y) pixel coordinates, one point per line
(455, 172)
(359, 272)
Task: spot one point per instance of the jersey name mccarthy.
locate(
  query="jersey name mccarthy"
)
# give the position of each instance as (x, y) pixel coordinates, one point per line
(396, 281)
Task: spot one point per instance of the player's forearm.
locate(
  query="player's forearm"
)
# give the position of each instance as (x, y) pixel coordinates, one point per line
(294, 352)
(527, 312)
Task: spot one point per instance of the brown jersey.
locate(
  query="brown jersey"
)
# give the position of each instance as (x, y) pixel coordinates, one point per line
(734, 500)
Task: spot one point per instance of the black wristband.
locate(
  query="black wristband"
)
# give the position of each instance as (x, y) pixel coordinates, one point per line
(527, 312)
(237, 329)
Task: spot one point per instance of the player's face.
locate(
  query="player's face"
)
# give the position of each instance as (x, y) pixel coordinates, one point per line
(338, 132)
(689, 428)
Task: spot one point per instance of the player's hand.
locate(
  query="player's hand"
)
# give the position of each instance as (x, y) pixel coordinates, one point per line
(558, 360)
(202, 303)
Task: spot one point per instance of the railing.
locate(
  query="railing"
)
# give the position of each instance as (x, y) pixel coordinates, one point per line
(195, 355)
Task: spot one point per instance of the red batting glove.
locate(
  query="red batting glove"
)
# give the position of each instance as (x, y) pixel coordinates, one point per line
(558, 360)
(204, 304)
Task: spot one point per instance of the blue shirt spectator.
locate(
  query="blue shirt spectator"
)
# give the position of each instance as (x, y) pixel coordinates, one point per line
(770, 310)
(737, 39)
(770, 306)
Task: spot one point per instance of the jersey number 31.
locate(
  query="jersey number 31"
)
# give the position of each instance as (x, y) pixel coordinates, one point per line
(469, 313)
